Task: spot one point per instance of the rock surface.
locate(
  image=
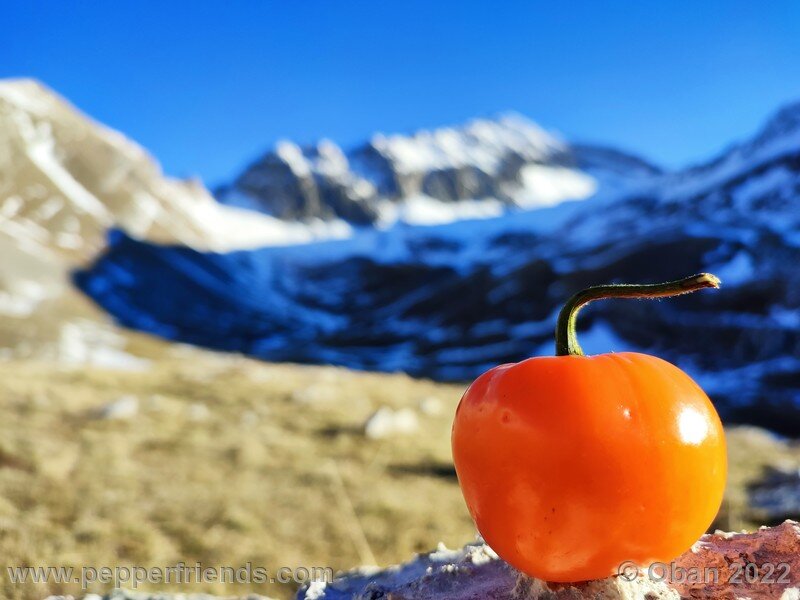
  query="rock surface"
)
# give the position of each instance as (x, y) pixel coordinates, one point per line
(715, 567)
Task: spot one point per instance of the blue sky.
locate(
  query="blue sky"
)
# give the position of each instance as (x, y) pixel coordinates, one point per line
(207, 86)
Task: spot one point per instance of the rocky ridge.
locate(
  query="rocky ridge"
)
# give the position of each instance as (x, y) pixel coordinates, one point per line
(478, 170)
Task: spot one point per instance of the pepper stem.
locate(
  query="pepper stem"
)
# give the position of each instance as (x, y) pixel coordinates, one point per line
(566, 336)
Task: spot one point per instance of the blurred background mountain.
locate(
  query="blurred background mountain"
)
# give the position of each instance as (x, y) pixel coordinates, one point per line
(438, 254)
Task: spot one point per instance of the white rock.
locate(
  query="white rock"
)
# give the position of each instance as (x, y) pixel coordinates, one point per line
(314, 394)
(125, 407)
(431, 405)
(198, 411)
(386, 422)
(249, 418)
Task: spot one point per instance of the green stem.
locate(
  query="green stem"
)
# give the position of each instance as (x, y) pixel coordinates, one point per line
(566, 338)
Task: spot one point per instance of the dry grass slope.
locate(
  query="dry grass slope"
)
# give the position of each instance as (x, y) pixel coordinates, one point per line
(227, 461)
(230, 460)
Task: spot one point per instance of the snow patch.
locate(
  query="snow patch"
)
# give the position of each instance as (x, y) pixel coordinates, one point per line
(424, 210)
(481, 143)
(547, 186)
(122, 409)
(737, 271)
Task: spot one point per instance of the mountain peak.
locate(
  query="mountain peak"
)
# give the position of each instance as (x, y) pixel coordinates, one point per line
(481, 143)
(478, 169)
(75, 179)
(592, 156)
(785, 121)
(24, 85)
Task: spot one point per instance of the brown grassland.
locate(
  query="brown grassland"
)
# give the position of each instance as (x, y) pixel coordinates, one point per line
(229, 460)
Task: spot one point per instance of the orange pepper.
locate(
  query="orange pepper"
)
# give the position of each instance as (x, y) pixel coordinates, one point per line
(573, 465)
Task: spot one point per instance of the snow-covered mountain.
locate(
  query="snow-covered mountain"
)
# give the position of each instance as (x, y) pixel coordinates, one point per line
(480, 170)
(66, 180)
(450, 300)
(439, 253)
